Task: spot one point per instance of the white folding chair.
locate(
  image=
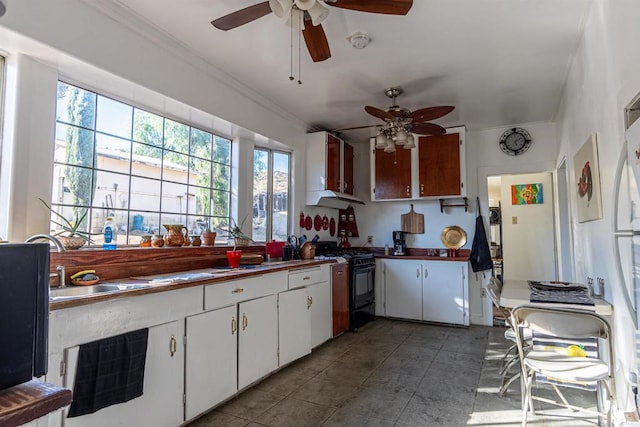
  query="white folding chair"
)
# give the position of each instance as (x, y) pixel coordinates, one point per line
(563, 363)
(511, 356)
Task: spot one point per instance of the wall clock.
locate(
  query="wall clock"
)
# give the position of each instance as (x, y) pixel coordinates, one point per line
(515, 141)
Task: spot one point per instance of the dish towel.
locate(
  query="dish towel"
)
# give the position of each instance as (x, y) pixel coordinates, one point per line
(109, 371)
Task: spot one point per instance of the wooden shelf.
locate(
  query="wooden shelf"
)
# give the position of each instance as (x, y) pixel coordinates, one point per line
(464, 205)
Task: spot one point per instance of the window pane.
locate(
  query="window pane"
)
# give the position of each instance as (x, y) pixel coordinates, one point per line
(174, 197)
(141, 223)
(74, 145)
(220, 203)
(174, 167)
(221, 177)
(260, 181)
(114, 154)
(147, 161)
(176, 136)
(76, 106)
(200, 172)
(222, 150)
(200, 202)
(147, 127)
(99, 217)
(200, 144)
(114, 117)
(78, 185)
(145, 194)
(280, 198)
(112, 190)
(72, 214)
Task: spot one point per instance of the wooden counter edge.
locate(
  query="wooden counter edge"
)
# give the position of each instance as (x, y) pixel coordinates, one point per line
(29, 401)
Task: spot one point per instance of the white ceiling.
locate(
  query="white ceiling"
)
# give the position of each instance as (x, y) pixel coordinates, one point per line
(499, 62)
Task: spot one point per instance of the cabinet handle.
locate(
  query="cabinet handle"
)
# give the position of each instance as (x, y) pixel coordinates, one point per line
(345, 186)
(421, 188)
(237, 291)
(173, 345)
(309, 302)
(408, 189)
(245, 321)
(306, 278)
(339, 273)
(417, 272)
(234, 325)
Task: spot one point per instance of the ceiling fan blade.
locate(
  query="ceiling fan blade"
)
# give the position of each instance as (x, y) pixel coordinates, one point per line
(387, 7)
(355, 128)
(376, 112)
(430, 113)
(316, 42)
(242, 16)
(428, 129)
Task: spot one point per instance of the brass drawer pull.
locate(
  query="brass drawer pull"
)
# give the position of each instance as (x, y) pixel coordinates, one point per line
(234, 326)
(173, 345)
(306, 278)
(237, 291)
(245, 321)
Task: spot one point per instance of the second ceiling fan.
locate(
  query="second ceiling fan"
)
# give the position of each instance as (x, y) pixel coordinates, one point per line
(308, 15)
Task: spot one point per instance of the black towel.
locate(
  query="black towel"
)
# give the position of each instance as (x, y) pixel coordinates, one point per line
(109, 371)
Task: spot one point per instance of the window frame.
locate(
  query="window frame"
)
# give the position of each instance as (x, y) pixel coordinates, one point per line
(270, 193)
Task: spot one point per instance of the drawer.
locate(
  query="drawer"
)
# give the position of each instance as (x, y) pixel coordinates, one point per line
(308, 276)
(235, 291)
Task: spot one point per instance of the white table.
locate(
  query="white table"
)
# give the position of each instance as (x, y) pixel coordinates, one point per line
(516, 292)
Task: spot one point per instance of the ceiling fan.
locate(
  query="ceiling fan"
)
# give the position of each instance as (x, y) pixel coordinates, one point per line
(400, 123)
(310, 13)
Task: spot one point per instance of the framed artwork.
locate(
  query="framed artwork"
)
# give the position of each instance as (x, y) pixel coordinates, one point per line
(526, 194)
(587, 174)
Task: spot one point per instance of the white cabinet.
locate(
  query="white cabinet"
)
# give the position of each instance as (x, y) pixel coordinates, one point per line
(434, 291)
(161, 403)
(257, 340)
(445, 292)
(211, 359)
(294, 323)
(320, 310)
(403, 289)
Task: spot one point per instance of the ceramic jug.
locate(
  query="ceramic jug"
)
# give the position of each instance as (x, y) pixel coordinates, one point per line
(175, 235)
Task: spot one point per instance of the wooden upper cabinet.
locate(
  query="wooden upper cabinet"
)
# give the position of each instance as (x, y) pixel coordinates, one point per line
(392, 174)
(439, 165)
(333, 163)
(347, 161)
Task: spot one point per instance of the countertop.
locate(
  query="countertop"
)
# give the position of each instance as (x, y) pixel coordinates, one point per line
(255, 270)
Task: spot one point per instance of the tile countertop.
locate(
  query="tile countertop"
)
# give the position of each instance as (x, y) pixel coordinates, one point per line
(218, 275)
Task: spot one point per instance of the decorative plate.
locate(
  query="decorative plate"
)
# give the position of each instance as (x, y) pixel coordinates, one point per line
(308, 223)
(332, 227)
(325, 223)
(317, 222)
(301, 219)
(453, 237)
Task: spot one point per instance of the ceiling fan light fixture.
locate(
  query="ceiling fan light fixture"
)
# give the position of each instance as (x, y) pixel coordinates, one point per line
(281, 8)
(359, 40)
(318, 13)
(381, 140)
(411, 143)
(391, 147)
(401, 137)
(305, 4)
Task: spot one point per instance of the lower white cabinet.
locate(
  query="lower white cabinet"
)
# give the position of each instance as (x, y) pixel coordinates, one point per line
(321, 315)
(403, 289)
(294, 323)
(435, 291)
(211, 359)
(258, 339)
(161, 403)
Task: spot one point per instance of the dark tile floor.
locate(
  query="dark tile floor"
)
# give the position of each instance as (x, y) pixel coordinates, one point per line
(390, 373)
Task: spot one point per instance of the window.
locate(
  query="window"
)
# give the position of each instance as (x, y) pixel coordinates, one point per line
(271, 186)
(144, 170)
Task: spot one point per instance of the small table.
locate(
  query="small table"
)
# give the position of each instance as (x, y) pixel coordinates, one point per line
(516, 292)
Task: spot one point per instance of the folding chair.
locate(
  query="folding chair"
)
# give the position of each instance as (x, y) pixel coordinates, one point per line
(565, 364)
(511, 356)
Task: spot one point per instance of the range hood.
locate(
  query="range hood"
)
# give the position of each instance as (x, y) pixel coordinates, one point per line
(331, 199)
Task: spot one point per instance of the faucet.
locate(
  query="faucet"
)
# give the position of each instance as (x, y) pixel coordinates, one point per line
(59, 268)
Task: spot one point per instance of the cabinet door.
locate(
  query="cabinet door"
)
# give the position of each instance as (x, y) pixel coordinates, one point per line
(439, 165)
(211, 359)
(347, 168)
(320, 310)
(340, 298)
(333, 164)
(161, 403)
(294, 325)
(258, 339)
(392, 174)
(443, 296)
(403, 289)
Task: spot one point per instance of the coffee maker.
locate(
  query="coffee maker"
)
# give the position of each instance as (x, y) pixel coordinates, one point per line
(399, 245)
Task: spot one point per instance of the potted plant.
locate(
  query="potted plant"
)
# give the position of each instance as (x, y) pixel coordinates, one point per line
(235, 232)
(208, 237)
(70, 236)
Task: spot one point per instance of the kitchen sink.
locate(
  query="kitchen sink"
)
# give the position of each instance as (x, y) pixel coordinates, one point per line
(82, 291)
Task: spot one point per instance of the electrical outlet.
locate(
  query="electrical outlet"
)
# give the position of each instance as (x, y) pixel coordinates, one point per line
(483, 293)
(369, 239)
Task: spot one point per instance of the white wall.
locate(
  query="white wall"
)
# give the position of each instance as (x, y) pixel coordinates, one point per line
(604, 77)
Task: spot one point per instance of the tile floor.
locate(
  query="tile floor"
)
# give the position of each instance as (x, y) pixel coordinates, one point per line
(390, 373)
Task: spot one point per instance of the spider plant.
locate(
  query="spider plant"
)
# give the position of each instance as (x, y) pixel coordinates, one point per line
(69, 228)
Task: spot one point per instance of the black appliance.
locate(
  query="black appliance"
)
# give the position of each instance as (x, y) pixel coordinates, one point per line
(399, 244)
(362, 269)
(24, 312)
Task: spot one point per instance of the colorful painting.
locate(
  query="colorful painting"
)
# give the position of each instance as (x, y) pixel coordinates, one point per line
(587, 175)
(526, 194)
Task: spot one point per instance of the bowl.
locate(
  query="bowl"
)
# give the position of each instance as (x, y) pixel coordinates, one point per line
(78, 282)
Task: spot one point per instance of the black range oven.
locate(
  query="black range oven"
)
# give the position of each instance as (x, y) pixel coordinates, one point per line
(362, 270)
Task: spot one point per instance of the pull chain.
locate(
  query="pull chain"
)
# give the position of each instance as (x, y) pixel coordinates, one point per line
(299, 29)
(291, 51)
(300, 48)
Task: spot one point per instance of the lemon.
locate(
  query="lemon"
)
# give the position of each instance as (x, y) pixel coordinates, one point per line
(576, 351)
